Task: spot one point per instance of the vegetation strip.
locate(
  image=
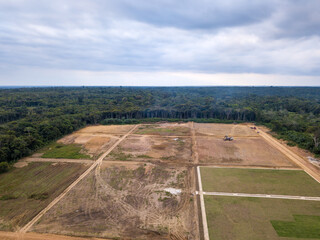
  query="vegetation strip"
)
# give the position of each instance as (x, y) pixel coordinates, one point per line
(261, 196)
(56, 200)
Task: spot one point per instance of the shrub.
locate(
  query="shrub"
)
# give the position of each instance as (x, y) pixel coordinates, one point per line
(4, 167)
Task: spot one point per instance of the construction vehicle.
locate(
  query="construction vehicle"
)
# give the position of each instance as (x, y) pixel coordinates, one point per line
(227, 138)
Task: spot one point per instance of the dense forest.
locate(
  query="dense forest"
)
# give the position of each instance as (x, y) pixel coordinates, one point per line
(32, 117)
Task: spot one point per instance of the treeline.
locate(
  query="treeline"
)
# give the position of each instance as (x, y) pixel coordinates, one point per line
(32, 117)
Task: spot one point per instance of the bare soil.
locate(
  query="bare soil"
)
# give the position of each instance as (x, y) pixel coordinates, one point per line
(220, 130)
(241, 151)
(109, 129)
(127, 200)
(153, 148)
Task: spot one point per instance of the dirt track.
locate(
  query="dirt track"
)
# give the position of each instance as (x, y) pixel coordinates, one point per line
(309, 168)
(97, 163)
(306, 198)
(37, 236)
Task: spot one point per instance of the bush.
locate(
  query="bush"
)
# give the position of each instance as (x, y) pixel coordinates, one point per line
(4, 167)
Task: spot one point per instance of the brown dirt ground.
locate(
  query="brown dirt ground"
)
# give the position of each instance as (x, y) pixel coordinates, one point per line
(153, 148)
(241, 151)
(109, 129)
(128, 201)
(220, 130)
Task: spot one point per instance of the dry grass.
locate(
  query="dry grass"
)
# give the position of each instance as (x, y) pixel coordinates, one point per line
(110, 129)
(25, 191)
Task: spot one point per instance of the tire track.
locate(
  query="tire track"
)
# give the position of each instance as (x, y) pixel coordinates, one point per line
(68, 189)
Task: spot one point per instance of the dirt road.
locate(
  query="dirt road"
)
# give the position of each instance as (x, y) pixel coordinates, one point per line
(202, 205)
(38, 236)
(308, 167)
(262, 196)
(56, 200)
(195, 154)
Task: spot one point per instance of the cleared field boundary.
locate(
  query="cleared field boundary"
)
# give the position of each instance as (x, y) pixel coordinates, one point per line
(306, 166)
(203, 210)
(57, 199)
(58, 160)
(249, 167)
(262, 196)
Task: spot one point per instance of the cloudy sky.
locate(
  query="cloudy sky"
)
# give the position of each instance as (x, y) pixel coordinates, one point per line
(168, 42)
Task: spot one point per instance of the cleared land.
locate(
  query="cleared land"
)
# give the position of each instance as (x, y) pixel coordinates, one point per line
(220, 130)
(71, 151)
(126, 200)
(263, 181)
(95, 140)
(153, 148)
(241, 151)
(27, 190)
(165, 129)
(253, 218)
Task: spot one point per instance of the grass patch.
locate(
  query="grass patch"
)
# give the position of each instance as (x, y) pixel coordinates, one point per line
(303, 226)
(251, 218)
(144, 156)
(59, 150)
(163, 131)
(263, 181)
(121, 156)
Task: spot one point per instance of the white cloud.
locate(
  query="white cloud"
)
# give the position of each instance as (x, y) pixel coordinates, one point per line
(154, 37)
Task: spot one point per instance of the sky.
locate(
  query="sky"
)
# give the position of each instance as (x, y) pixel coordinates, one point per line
(160, 43)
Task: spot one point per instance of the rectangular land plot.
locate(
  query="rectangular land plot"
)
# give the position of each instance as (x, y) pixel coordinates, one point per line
(153, 148)
(27, 190)
(241, 218)
(106, 129)
(165, 129)
(127, 201)
(241, 151)
(259, 181)
(94, 140)
(220, 130)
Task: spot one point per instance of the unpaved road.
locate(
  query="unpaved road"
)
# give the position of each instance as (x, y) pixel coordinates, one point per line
(261, 196)
(39, 236)
(202, 206)
(95, 164)
(308, 167)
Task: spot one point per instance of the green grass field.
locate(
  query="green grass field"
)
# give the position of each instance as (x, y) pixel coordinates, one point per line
(59, 150)
(154, 130)
(26, 191)
(258, 218)
(264, 181)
